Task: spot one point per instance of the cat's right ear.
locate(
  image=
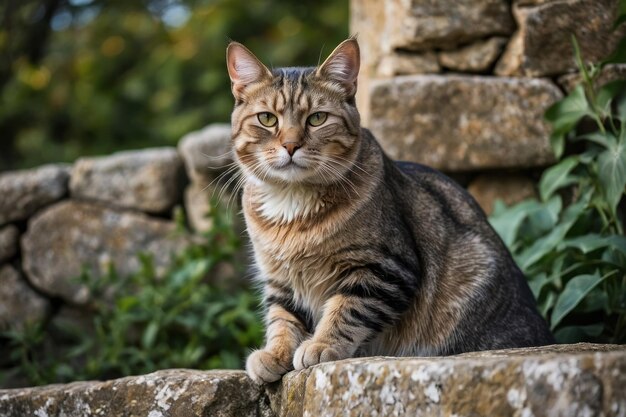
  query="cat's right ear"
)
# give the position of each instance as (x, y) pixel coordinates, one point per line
(243, 68)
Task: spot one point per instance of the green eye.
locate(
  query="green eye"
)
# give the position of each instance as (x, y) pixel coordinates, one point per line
(267, 119)
(317, 119)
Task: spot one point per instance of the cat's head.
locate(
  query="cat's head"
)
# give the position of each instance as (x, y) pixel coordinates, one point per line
(295, 125)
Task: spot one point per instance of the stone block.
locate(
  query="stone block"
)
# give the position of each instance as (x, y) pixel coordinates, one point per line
(24, 192)
(9, 242)
(510, 188)
(19, 304)
(559, 380)
(403, 63)
(542, 44)
(464, 123)
(147, 180)
(71, 235)
(609, 73)
(168, 393)
(475, 57)
(207, 153)
(429, 24)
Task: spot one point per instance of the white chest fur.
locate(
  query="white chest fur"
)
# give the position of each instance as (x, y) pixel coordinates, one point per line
(286, 203)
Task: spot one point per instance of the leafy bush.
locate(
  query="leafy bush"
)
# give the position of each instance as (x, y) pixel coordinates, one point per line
(142, 323)
(571, 242)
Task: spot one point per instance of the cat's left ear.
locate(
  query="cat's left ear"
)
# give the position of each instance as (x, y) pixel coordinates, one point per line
(244, 68)
(342, 66)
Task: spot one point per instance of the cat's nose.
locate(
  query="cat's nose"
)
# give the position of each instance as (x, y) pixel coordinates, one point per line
(291, 147)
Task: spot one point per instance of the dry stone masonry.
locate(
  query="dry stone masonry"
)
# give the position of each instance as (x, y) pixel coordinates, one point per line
(554, 381)
(462, 85)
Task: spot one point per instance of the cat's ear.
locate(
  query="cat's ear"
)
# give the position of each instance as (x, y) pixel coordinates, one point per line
(243, 68)
(342, 66)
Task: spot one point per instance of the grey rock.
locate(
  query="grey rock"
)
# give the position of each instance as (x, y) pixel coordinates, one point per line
(476, 57)
(207, 153)
(168, 393)
(9, 242)
(147, 180)
(609, 73)
(508, 188)
(403, 63)
(568, 380)
(24, 192)
(19, 304)
(420, 24)
(542, 45)
(71, 235)
(464, 123)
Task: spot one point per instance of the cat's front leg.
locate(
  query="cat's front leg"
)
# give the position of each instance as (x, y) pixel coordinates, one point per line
(284, 334)
(348, 320)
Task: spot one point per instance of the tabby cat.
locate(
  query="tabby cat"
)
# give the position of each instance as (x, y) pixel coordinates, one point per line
(360, 255)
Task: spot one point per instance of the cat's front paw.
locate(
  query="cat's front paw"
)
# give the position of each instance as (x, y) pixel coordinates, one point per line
(263, 367)
(311, 353)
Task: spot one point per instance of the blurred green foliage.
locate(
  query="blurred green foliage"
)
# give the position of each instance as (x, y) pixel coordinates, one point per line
(81, 77)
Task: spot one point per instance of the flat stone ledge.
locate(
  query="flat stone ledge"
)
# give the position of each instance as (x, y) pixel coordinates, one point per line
(559, 380)
(168, 393)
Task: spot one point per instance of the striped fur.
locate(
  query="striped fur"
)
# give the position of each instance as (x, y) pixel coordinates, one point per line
(359, 255)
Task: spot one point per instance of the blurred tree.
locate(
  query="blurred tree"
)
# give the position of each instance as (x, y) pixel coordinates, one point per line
(83, 77)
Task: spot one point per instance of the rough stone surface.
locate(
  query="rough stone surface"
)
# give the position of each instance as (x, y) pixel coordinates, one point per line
(542, 44)
(458, 123)
(147, 180)
(169, 393)
(476, 57)
(71, 235)
(25, 192)
(608, 74)
(199, 202)
(19, 304)
(207, 152)
(570, 380)
(403, 63)
(510, 188)
(419, 24)
(9, 236)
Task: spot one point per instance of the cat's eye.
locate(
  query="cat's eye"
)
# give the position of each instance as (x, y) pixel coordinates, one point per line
(267, 119)
(317, 119)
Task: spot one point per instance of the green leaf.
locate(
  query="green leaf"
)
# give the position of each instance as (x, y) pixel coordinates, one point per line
(605, 140)
(507, 222)
(575, 290)
(557, 142)
(576, 334)
(612, 174)
(590, 242)
(565, 113)
(149, 334)
(537, 283)
(557, 177)
(619, 54)
(607, 93)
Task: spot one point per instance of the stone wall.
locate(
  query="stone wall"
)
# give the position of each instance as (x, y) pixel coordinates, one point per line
(565, 381)
(462, 85)
(57, 219)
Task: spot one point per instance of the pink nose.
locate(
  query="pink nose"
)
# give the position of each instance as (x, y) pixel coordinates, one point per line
(291, 147)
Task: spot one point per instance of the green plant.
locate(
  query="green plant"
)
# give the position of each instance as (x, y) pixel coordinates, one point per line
(570, 243)
(143, 322)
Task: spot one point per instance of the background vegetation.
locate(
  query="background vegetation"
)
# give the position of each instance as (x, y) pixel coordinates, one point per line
(82, 77)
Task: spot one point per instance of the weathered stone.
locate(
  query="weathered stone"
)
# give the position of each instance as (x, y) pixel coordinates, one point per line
(476, 57)
(9, 236)
(403, 63)
(207, 152)
(367, 18)
(198, 207)
(542, 44)
(427, 24)
(25, 192)
(459, 123)
(570, 380)
(169, 393)
(510, 188)
(71, 235)
(19, 304)
(147, 180)
(609, 73)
